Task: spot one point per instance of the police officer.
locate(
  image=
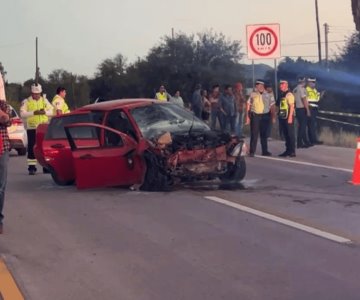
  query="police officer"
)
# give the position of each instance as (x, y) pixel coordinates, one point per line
(313, 97)
(36, 109)
(162, 94)
(59, 103)
(286, 109)
(302, 113)
(260, 109)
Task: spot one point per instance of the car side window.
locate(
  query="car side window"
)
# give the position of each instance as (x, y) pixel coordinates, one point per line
(118, 120)
(112, 139)
(85, 137)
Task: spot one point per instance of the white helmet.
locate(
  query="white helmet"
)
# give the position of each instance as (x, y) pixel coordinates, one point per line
(36, 89)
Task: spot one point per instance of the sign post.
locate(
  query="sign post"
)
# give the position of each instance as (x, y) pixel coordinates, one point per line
(263, 42)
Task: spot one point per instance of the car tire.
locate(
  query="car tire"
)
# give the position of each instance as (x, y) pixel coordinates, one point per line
(236, 172)
(21, 151)
(156, 179)
(58, 181)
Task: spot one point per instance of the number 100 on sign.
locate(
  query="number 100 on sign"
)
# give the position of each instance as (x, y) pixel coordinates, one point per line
(263, 41)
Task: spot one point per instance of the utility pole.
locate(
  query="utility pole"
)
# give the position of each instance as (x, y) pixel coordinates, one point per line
(37, 71)
(318, 29)
(326, 26)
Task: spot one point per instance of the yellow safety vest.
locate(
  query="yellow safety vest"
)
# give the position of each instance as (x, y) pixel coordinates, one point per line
(284, 106)
(313, 96)
(256, 103)
(60, 104)
(30, 105)
(161, 97)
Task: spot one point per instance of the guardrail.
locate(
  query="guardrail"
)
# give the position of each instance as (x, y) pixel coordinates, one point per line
(340, 114)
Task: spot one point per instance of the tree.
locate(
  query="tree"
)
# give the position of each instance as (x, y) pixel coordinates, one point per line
(109, 78)
(185, 60)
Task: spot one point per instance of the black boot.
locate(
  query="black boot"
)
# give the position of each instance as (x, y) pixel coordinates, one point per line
(32, 170)
(284, 154)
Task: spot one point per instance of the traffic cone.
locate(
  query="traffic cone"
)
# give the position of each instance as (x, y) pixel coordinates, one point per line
(356, 174)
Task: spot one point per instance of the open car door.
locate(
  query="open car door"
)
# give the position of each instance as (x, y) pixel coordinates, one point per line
(108, 158)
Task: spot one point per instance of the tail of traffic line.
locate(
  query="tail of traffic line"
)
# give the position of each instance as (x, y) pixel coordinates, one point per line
(356, 174)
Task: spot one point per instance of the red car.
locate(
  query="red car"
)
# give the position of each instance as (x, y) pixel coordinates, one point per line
(136, 141)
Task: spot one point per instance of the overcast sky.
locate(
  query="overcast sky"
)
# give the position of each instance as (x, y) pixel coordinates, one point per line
(76, 35)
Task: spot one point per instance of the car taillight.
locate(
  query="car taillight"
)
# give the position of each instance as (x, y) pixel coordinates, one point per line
(49, 154)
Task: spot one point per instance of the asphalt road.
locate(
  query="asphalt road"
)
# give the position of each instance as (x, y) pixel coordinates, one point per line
(61, 243)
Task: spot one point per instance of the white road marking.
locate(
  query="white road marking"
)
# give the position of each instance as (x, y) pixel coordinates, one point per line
(311, 230)
(306, 164)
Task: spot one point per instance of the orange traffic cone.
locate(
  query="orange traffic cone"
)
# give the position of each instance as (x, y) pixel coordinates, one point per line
(356, 174)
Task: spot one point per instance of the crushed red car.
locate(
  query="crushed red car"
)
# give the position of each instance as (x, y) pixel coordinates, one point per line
(136, 142)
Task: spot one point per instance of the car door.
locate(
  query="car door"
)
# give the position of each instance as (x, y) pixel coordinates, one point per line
(108, 158)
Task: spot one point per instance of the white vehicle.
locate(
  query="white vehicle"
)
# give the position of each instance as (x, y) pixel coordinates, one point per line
(17, 133)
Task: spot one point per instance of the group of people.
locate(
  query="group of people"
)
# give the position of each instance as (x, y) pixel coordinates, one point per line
(302, 104)
(231, 110)
(36, 110)
(224, 110)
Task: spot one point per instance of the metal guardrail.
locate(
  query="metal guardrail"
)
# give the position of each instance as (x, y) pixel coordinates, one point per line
(339, 122)
(339, 114)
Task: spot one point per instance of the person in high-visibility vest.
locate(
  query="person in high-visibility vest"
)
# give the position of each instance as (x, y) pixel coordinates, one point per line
(260, 110)
(36, 110)
(162, 94)
(313, 97)
(59, 103)
(286, 113)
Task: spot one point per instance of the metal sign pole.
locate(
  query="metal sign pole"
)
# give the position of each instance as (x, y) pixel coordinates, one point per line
(276, 78)
(253, 73)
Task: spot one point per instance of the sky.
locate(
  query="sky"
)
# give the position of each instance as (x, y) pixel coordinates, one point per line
(76, 35)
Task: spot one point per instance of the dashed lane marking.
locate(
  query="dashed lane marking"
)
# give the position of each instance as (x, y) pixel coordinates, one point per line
(304, 163)
(308, 229)
(8, 287)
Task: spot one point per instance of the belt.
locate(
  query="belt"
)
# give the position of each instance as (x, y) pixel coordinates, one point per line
(313, 105)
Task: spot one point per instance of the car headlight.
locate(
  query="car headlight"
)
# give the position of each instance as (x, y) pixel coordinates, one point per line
(237, 150)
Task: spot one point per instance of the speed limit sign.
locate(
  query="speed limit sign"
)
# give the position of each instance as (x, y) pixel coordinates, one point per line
(263, 41)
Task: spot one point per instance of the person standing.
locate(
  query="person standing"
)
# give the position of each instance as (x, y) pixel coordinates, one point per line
(270, 91)
(36, 110)
(206, 106)
(313, 97)
(215, 114)
(196, 102)
(162, 94)
(302, 113)
(260, 107)
(5, 112)
(286, 108)
(59, 103)
(177, 99)
(240, 107)
(227, 107)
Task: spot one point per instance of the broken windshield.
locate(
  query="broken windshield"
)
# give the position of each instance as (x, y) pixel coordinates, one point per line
(157, 119)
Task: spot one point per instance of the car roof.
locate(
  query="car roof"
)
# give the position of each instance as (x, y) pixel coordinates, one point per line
(120, 103)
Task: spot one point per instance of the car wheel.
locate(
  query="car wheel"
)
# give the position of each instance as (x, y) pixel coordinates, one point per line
(236, 172)
(21, 151)
(58, 181)
(156, 179)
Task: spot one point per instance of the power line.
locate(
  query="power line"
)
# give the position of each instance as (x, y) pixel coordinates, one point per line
(311, 43)
(307, 56)
(13, 44)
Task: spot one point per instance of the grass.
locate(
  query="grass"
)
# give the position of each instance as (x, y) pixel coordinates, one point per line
(341, 138)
